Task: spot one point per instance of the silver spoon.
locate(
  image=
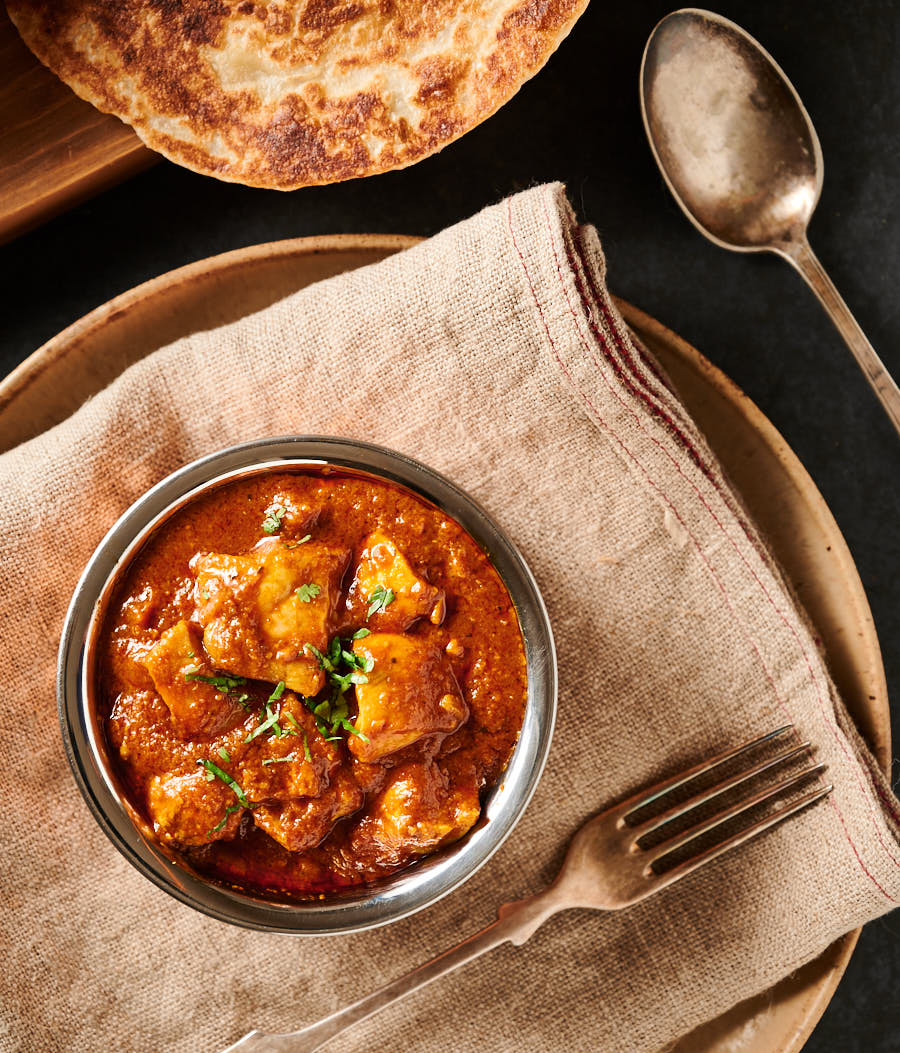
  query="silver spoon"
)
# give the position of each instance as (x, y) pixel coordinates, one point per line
(740, 154)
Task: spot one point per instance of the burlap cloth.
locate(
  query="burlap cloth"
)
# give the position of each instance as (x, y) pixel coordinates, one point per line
(493, 353)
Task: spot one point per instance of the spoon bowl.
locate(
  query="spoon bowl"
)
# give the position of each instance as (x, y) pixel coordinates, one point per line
(739, 153)
(729, 132)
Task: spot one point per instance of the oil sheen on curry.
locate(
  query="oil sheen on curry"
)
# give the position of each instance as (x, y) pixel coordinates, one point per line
(309, 681)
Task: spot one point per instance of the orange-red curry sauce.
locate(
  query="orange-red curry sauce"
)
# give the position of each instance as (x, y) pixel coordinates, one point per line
(272, 757)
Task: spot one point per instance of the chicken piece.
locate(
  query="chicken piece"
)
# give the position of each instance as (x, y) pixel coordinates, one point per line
(258, 611)
(140, 730)
(383, 568)
(177, 665)
(187, 809)
(275, 767)
(301, 823)
(417, 811)
(369, 776)
(410, 693)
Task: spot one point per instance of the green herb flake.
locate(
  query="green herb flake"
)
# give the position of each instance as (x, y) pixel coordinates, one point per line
(270, 721)
(324, 662)
(295, 544)
(269, 717)
(278, 760)
(344, 669)
(306, 752)
(223, 753)
(274, 518)
(228, 684)
(292, 719)
(362, 633)
(216, 772)
(229, 811)
(354, 731)
(379, 600)
(307, 592)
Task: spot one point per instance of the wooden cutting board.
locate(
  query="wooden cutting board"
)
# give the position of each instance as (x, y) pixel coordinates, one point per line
(55, 149)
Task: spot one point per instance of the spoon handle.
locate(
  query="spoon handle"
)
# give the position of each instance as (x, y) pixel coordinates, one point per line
(802, 257)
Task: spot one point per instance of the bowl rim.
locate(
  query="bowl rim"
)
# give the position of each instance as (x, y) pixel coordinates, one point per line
(409, 890)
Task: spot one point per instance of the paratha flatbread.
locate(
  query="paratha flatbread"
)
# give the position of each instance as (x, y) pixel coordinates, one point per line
(291, 93)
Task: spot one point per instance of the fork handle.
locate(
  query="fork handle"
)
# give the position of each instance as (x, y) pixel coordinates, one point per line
(516, 923)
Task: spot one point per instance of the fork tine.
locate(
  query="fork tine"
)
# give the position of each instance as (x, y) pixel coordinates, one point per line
(669, 846)
(648, 827)
(689, 865)
(645, 797)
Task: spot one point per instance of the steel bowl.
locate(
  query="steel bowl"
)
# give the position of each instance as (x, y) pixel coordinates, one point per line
(398, 895)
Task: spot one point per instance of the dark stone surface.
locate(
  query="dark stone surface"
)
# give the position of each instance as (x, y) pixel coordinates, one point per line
(579, 121)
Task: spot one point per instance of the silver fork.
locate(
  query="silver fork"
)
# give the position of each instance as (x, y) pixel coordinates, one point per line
(606, 868)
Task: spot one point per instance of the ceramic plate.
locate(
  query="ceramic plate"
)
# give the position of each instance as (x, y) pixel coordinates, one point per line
(58, 377)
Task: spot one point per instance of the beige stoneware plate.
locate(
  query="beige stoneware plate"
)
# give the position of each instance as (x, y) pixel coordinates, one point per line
(78, 362)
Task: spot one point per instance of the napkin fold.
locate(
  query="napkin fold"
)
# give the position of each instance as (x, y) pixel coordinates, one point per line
(494, 353)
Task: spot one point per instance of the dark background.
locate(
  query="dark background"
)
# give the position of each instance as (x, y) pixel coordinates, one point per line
(579, 121)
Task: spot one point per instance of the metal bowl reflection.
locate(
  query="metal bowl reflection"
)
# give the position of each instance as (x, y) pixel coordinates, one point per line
(402, 893)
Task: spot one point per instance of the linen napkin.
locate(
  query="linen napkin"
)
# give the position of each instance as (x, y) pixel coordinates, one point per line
(494, 353)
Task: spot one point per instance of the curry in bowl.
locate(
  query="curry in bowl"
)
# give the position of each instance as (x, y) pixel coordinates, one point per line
(309, 680)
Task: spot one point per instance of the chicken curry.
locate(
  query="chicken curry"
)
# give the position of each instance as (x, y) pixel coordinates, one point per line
(309, 680)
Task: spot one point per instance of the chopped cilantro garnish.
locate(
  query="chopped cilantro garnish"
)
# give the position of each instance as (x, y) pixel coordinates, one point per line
(334, 650)
(324, 662)
(228, 684)
(307, 592)
(216, 772)
(274, 518)
(296, 730)
(229, 811)
(379, 599)
(223, 682)
(343, 669)
(294, 544)
(364, 663)
(269, 716)
(271, 719)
